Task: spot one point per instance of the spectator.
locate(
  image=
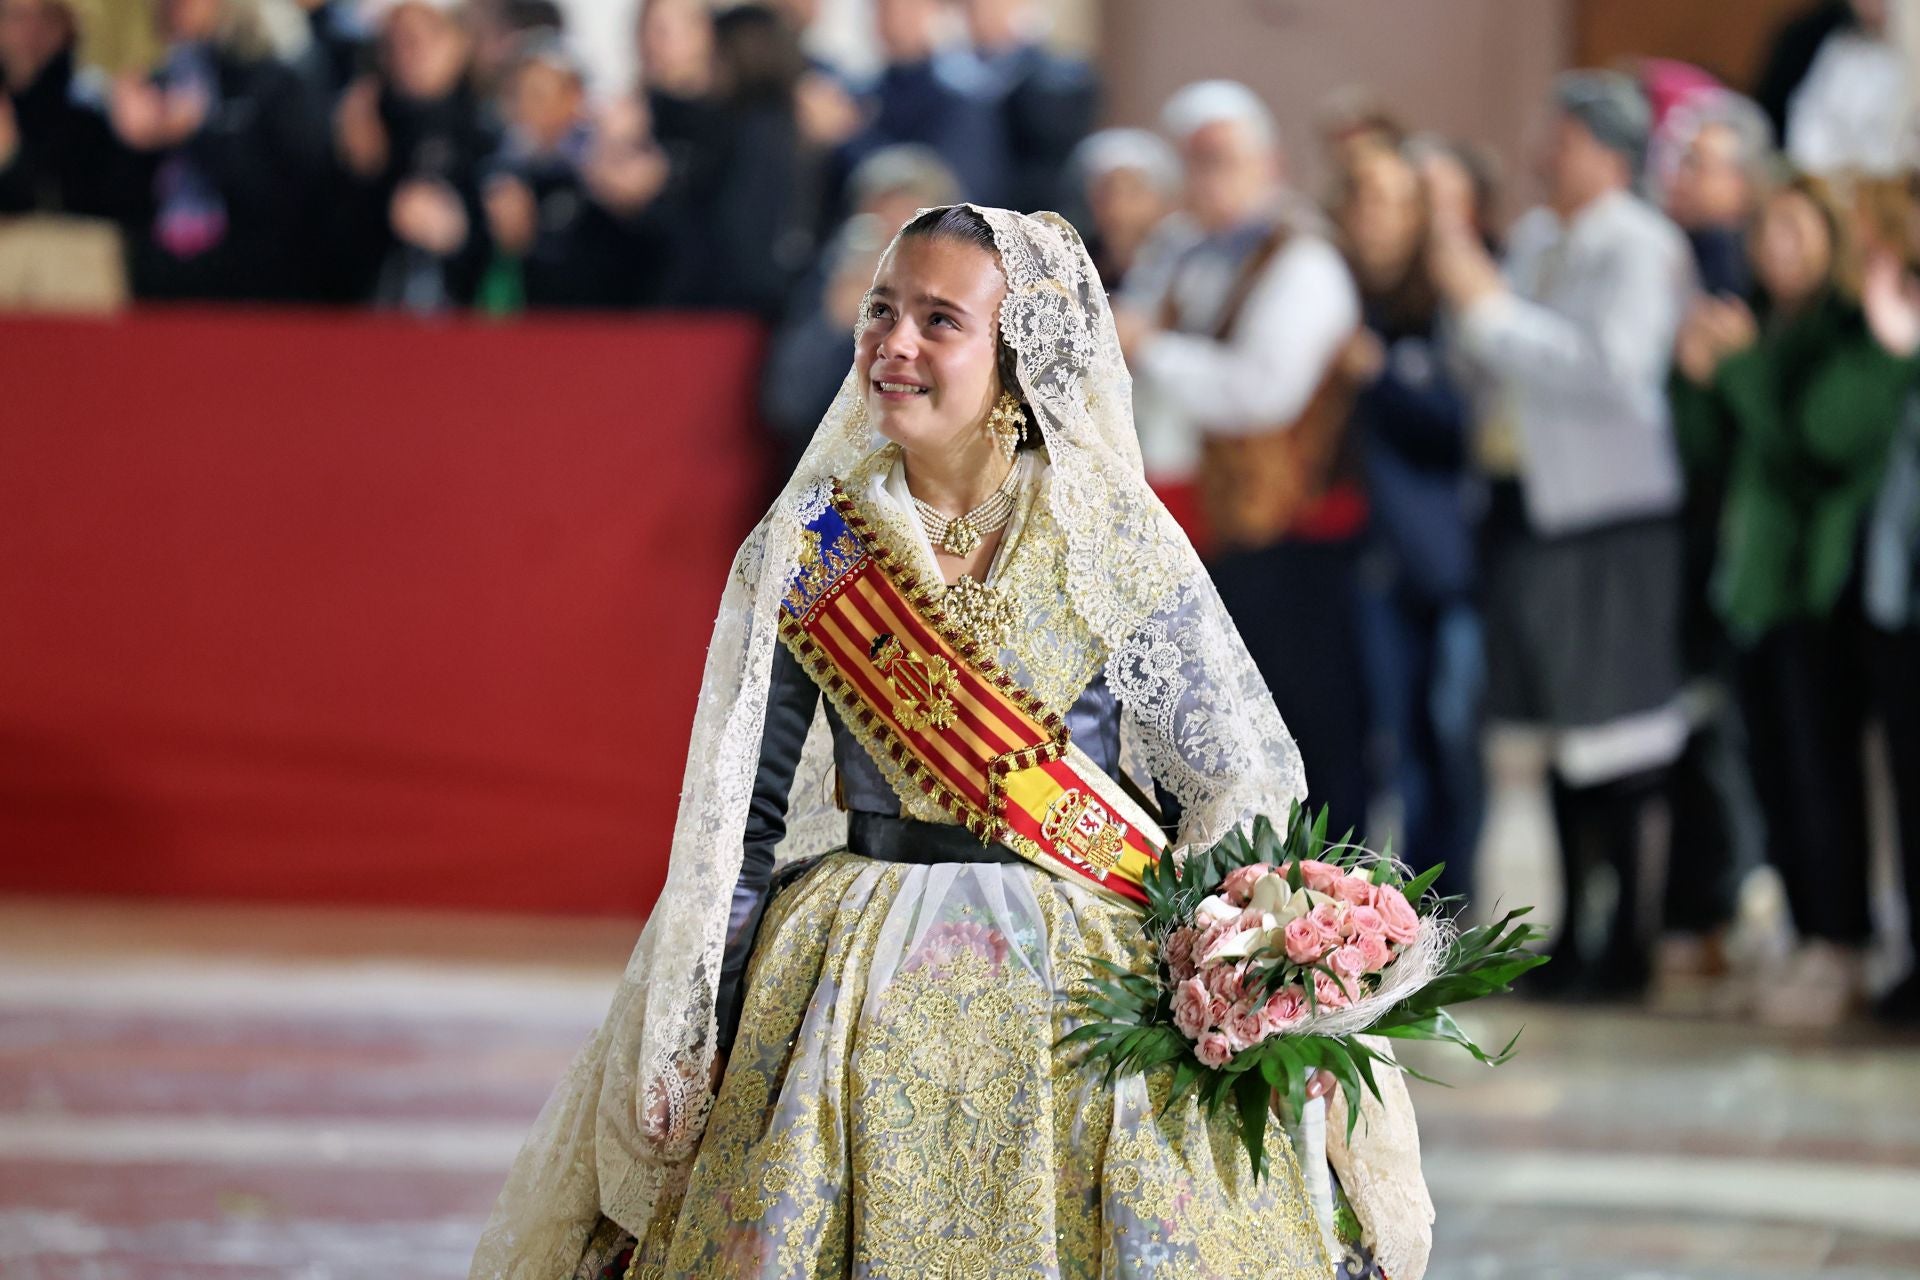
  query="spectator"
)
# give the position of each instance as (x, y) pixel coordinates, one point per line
(919, 99)
(1891, 299)
(813, 347)
(501, 31)
(888, 189)
(235, 149)
(1353, 122)
(1422, 632)
(1802, 402)
(687, 121)
(339, 45)
(1235, 342)
(1129, 182)
(1723, 163)
(760, 219)
(1839, 90)
(57, 152)
(1047, 102)
(1722, 155)
(413, 142)
(895, 183)
(1582, 545)
(560, 243)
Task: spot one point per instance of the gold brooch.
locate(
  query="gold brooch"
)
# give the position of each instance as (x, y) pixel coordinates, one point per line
(984, 613)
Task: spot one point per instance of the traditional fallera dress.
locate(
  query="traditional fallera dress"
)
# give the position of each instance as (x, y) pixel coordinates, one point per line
(893, 1105)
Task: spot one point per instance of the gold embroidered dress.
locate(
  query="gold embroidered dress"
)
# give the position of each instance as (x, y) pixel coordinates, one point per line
(893, 1106)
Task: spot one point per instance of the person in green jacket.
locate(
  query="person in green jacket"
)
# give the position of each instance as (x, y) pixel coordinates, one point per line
(1791, 405)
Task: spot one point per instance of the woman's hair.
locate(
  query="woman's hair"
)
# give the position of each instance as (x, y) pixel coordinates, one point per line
(963, 225)
(1843, 267)
(758, 56)
(1412, 301)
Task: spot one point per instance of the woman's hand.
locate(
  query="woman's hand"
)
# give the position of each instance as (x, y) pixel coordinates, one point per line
(427, 214)
(149, 118)
(1714, 329)
(358, 135)
(1890, 296)
(512, 215)
(1319, 1084)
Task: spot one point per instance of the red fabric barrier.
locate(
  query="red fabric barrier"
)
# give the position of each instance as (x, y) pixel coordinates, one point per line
(361, 610)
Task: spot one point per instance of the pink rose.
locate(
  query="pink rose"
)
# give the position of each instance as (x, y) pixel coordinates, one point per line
(1353, 889)
(1226, 982)
(1376, 950)
(1243, 1026)
(1318, 875)
(1192, 1008)
(1283, 1008)
(1204, 940)
(1400, 922)
(1329, 993)
(1231, 938)
(1238, 886)
(1367, 920)
(1348, 961)
(1213, 1049)
(1178, 949)
(1305, 942)
(1329, 920)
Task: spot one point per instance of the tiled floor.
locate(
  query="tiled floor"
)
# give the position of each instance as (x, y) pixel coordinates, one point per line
(239, 1094)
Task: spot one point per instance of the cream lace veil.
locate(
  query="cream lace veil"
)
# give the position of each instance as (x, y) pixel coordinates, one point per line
(622, 1126)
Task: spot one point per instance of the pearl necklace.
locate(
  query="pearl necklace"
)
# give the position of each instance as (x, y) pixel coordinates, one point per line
(958, 535)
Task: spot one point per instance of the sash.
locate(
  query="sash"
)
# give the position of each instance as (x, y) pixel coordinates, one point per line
(952, 721)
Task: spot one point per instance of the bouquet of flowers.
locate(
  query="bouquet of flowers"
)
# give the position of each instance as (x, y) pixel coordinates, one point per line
(1275, 953)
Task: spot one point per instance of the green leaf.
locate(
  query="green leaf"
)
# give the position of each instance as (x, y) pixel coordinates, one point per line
(1417, 887)
(1251, 1094)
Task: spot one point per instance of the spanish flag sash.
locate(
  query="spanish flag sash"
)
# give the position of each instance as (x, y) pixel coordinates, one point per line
(875, 640)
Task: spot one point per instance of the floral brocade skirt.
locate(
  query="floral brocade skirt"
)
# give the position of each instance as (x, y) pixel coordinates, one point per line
(894, 1108)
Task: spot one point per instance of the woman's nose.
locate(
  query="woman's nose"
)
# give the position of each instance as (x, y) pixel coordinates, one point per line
(901, 342)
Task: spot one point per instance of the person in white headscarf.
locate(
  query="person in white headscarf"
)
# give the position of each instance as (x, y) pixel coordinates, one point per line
(835, 1049)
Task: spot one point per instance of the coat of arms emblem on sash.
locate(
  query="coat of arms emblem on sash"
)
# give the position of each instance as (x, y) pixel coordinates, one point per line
(924, 685)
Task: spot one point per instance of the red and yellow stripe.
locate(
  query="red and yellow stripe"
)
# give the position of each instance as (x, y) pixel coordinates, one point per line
(1002, 764)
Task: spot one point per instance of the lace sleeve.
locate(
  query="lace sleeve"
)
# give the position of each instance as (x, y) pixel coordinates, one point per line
(1200, 718)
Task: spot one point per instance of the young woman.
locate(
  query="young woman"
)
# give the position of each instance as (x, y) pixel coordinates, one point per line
(1795, 403)
(843, 1064)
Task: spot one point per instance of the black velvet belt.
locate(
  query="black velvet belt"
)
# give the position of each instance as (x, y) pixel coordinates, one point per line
(874, 835)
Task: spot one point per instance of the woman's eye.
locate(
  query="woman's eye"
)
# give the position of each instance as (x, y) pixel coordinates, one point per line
(940, 317)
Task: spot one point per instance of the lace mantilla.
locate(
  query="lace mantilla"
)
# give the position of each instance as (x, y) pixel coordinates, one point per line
(620, 1129)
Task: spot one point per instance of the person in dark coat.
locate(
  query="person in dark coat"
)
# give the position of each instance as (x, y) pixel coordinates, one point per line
(922, 98)
(1420, 626)
(1047, 102)
(559, 235)
(233, 149)
(413, 140)
(58, 154)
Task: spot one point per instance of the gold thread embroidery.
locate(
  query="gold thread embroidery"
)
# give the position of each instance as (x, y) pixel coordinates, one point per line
(895, 1104)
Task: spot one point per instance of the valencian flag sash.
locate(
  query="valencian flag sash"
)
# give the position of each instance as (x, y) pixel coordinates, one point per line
(948, 718)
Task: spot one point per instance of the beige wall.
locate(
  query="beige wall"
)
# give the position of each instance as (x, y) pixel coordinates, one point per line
(1472, 68)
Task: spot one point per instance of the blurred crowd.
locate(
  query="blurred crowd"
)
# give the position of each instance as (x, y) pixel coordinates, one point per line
(1635, 478)
(432, 154)
(1637, 474)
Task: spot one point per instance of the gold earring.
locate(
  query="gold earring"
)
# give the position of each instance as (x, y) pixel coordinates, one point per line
(1008, 425)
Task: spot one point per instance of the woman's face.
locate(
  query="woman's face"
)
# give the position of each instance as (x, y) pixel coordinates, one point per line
(928, 356)
(1792, 249)
(1384, 216)
(427, 51)
(191, 19)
